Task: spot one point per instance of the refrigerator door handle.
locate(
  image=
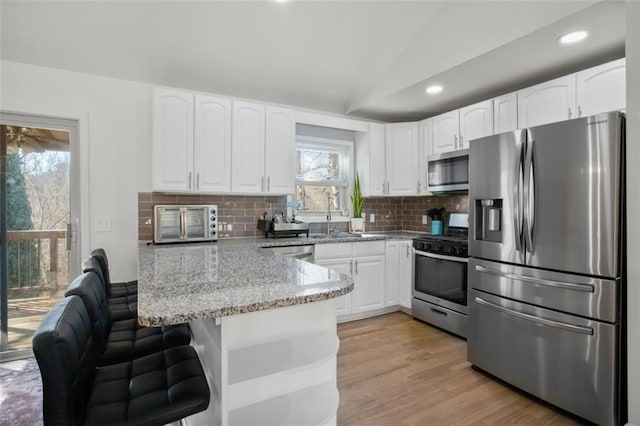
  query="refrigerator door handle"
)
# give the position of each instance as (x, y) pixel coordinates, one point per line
(518, 210)
(587, 288)
(533, 318)
(529, 195)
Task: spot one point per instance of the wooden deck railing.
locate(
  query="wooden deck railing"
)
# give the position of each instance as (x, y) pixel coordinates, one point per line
(42, 238)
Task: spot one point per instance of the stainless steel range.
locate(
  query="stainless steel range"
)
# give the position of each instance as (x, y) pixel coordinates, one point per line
(440, 277)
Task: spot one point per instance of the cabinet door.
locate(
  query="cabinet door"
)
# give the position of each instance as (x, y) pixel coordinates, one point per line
(445, 132)
(370, 160)
(369, 277)
(602, 88)
(391, 266)
(212, 144)
(405, 273)
(247, 148)
(476, 121)
(425, 133)
(343, 303)
(547, 102)
(402, 158)
(280, 151)
(172, 141)
(505, 113)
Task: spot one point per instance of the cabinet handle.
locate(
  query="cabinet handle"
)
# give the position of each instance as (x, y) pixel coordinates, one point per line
(356, 266)
(461, 140)
(455, 141)
(198, 180)
(579, 111)
(570, 112)
(351, 266)
(388, 189)
(269, 184)
(189, 180)
(262, 184)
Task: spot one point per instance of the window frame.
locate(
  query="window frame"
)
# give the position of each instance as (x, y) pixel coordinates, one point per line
(347, 167)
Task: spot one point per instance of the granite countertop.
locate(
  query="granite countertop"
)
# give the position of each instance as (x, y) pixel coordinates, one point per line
(181, 282)
(344, 237)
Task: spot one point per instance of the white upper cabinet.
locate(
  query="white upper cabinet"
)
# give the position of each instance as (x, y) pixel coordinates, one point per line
(370, 160)
(425, 133)
(547, 102)
(476, 121)
(280, 150)
(505, 113)
(445, 132)
(402, 158)
(212, 145)
(602, 88)
(248, 144)
(172, 141)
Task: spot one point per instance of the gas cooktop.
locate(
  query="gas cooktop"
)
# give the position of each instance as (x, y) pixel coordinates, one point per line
(451, 244)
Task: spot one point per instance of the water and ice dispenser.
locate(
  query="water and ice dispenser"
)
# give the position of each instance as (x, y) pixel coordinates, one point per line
(488, 220)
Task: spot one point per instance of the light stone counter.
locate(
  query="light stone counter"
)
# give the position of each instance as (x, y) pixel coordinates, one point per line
(182, 282)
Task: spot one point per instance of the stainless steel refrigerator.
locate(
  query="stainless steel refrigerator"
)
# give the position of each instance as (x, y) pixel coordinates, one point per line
(545, 275)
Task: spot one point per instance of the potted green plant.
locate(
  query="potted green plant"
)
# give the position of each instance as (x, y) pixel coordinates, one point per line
(437, 216)
(357, 222)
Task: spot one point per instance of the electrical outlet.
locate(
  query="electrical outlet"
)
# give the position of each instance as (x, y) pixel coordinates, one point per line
(424, 219)
(372, 218)
(102, 224)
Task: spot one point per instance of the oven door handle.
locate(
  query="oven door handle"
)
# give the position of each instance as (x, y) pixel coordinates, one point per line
(442, 257)
(533, 318)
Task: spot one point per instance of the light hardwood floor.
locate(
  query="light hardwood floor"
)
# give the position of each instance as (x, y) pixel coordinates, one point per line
(393, 370)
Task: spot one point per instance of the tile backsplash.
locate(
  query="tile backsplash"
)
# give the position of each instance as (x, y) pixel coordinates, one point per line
(405, 213)
(240, 213)
(235, 211)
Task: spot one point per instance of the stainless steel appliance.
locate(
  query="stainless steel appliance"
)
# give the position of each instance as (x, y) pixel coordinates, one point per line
(448, 172)
(175, 224)
(302, 252)
(440, 277)
(545, 274)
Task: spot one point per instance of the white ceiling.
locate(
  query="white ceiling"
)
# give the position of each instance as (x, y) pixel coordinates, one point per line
(367, 59)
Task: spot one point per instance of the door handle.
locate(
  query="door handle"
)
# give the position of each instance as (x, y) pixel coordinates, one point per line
(588, 288)
(455, 141)
(461, 141)
(67, 242)
(183, 224)
(518, 210)
(529, 196)
(189, 180)
(198, 180)
(351, 266)
(356, 264)
(533, 318)
(439, 312)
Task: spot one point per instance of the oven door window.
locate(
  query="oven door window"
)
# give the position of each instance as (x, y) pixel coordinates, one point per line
(444, 279)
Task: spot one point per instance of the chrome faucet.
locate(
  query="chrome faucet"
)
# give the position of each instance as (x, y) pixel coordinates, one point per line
(328, 214)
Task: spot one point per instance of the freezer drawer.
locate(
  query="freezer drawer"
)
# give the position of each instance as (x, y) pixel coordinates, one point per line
(568, 361)
(575, 294)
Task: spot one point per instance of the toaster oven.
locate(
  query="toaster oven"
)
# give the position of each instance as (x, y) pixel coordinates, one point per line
(176, 224)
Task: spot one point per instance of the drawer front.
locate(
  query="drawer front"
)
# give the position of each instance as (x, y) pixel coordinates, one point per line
(333, 251)
(566, 360)
(369, 248)
(585, 296)
(444, 318)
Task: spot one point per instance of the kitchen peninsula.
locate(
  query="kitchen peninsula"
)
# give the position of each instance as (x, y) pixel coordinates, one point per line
(264, 327)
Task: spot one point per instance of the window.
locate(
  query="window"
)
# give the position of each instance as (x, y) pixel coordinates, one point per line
(322, 171)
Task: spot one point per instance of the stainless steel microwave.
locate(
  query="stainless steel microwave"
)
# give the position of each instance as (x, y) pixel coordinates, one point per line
(174, 224)
(448, 172)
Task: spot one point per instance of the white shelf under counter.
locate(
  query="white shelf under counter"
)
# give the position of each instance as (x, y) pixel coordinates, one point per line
(276, 366)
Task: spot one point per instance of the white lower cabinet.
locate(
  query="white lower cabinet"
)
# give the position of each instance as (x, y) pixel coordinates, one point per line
(343, 303)
(392, 273)
(365, 262)
(405, 273)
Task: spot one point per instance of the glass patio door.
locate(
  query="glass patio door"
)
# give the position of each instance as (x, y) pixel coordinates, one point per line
(35, 231)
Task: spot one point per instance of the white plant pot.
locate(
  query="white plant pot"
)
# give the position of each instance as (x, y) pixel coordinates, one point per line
(357, 224)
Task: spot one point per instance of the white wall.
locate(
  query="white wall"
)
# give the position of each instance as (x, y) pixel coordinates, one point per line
(118, 116)
(633, 206)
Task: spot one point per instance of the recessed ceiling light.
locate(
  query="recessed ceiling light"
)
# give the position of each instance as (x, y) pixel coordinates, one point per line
(573, 37)
(432, 90)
